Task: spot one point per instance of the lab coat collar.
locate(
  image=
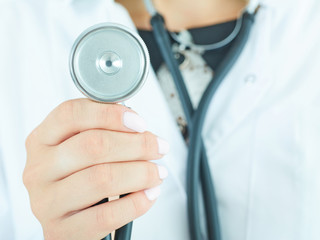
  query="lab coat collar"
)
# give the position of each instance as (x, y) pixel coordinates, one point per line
(253, 5)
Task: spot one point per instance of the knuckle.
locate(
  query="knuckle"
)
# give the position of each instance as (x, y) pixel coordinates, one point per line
(39, 201)
(150, 173)
(138, 207)
(26, 178)
(101, 176)
(146, 145)
(29, 141)
(135, 207)
(108, 113)
(51, 235)
(104, 112)
(30, 176)
(35, 169)
(68, 111)
(33, 182)
(65, 107)
(52, 231)
(105, 217)
(36, 208)
(94, 143)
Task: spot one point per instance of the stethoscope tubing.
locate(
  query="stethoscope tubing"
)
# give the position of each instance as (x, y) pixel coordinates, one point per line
(193, 164)
(162, 38)
(197, 159)
(123, 233)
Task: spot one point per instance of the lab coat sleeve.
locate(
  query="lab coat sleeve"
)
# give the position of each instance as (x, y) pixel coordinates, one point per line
(6, 227)
(6, 219)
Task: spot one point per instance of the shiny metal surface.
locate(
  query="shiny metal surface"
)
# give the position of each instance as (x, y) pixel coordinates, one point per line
(109, 62)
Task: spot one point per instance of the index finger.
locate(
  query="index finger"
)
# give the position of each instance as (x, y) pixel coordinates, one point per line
(74, 116)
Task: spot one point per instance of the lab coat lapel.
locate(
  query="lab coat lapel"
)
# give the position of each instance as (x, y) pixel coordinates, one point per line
(244, 86)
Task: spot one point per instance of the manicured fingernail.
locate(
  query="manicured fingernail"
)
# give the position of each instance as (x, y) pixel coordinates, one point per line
(163, 172)
(134, 122)
(153, 193)
(163, 146)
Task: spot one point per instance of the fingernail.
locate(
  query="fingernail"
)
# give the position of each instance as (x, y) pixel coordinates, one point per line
(163, 172)
(134, 122)
(163, 146)
(153, 193)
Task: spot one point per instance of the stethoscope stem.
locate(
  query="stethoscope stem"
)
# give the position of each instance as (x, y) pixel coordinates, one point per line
(123, 233)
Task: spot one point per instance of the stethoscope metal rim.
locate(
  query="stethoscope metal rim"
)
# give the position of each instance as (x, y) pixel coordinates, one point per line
(130, 32)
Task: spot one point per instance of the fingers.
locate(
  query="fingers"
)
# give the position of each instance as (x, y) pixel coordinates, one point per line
(75, 116)
(84, 152)
(97, 222)
(105, 180)
(100, 146)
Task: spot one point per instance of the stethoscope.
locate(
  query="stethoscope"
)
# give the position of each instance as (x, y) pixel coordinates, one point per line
(109, 63)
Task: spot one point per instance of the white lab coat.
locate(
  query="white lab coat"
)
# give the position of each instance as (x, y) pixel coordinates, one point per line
(262, 132)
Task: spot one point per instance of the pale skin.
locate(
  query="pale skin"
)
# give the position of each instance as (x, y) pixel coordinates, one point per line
(84, 151)
(81, 153)
(184, 14)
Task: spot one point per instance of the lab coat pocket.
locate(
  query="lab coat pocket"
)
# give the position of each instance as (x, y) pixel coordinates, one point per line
(275, 195)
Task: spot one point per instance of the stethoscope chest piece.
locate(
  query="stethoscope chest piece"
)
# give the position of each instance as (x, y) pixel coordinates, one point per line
(109, 62)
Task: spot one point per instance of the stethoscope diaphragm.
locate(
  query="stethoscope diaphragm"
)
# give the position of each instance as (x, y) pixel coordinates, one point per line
(109, 62)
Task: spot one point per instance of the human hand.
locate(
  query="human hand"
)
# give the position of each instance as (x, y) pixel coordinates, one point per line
(82, 153)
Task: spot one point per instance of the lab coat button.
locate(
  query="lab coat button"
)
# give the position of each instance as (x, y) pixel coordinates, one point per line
(250, 79)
